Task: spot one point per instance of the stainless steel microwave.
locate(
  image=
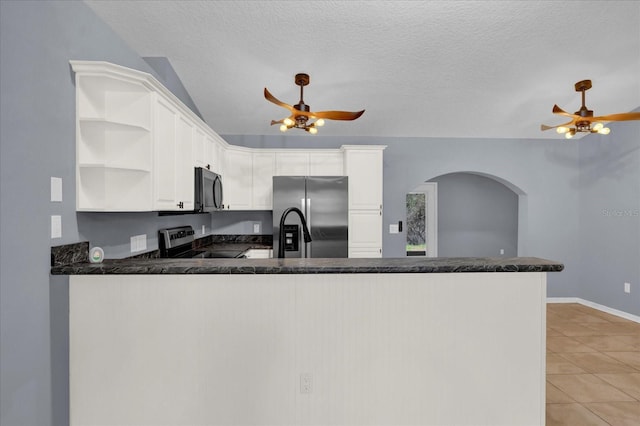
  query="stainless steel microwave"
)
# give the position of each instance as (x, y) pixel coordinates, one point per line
(208, 191)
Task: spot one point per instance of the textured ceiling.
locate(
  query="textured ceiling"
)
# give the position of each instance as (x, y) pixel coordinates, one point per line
(420, 68)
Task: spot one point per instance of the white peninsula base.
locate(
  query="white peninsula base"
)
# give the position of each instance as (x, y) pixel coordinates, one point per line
(330, 349)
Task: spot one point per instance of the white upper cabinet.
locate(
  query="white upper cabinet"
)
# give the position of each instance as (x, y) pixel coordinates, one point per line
(292, 163)
(238, 178)
(264, 168)
(326, 162)
(201, 149)
(185, 179)
(363, 165)
(215, 156)
(136, 143)
(114, 146)
(174, 179)
(165, 189)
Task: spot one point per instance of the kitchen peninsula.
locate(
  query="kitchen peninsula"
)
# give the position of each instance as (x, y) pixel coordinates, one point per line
(308, 341)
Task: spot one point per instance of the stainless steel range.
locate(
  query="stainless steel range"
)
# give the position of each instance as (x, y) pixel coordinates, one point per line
(177, 243)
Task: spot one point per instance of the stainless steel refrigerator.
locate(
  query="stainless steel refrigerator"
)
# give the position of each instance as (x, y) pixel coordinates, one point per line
(324, 202)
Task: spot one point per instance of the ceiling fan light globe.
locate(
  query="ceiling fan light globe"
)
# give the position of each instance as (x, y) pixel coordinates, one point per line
(319, 122)
(562, 130)
(569, 135)
(288, 122)
(283, 127)
(604, 131)
(313, 130)
(597, 127)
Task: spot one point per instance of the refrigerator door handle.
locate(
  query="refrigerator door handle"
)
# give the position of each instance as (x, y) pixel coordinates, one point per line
(303, 245)
(307, 247)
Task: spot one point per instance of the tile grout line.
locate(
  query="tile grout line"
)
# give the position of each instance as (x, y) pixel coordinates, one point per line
(581, 316)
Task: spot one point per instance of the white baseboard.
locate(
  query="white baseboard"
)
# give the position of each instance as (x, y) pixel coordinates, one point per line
(621, 314)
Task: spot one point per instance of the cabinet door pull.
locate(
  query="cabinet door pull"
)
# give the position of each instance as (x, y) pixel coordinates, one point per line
(181, 204)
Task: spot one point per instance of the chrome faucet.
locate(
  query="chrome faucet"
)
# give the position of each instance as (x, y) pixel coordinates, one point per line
(305, 230)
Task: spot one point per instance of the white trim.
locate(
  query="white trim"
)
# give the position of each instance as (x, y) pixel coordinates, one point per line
(430, 190)
(612, 311)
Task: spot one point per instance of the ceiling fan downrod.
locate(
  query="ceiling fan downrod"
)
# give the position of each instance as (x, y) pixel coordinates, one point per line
(583, 86)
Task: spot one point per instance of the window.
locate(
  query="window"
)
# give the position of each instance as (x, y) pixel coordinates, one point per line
(422, 221)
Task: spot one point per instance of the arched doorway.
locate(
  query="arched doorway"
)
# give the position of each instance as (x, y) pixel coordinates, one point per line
(477, 216)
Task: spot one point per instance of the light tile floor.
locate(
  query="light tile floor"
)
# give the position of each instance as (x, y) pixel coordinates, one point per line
(593, 367)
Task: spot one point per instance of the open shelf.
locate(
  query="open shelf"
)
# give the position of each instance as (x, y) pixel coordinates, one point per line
(113, 189)
(118, 101)
(114, 145)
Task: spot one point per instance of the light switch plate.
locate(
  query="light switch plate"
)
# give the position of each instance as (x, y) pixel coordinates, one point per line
(393, 228)
(56, 226)
(56, 189)
(256, 227)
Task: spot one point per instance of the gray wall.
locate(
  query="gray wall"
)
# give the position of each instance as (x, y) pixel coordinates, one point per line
(609, 215)
(477, 216)
(37, 141)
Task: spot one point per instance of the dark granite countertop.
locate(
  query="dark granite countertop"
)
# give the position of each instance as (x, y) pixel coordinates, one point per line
(309, 266)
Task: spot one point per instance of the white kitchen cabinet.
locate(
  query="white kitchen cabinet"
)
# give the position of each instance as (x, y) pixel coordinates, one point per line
(207, 151)
(238, 178)
(365, 233)
(264, 168)
(294, 163)
(201, 149)
(184, 165)
(137, 146)
(136, 143)
(326, 162)
(215, 156)
(173, 159)
(166, 117)
(363, 165)
(113, 148)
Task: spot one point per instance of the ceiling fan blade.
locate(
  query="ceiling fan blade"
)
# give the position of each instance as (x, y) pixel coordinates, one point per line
(625, 116)
(544, 127)
(268, 96)
(558, 110)
(337, 115)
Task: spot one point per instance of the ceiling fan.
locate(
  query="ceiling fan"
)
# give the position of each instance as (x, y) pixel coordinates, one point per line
(583, 119)
(301, 113)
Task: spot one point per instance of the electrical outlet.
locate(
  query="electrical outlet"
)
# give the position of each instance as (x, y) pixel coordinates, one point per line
(501, 251)
(56, 189)
(56, 226)
(627, 287)
(256, 227)
(306, 383)
(138, 243)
